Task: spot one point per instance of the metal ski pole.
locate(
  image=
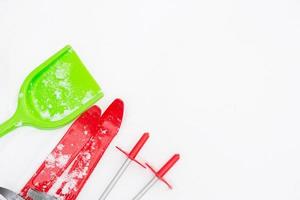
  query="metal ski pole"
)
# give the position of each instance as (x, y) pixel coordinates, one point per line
(159, 176)
(130, 157)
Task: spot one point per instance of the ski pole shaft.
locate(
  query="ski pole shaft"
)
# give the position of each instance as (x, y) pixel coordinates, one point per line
(149, 185)
(130, 157)
(116, 178)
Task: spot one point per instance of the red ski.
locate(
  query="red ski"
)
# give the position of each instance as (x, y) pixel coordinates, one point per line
(79, 150)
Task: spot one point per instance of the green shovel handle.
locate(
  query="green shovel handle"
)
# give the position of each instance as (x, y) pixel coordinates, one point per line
(9, 125)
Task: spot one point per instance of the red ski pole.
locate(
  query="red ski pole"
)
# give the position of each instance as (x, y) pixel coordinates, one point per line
(130, 157)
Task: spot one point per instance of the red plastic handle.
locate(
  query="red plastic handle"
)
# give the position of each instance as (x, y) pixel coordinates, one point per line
(136, 149)
(162, 172)
(168, 166)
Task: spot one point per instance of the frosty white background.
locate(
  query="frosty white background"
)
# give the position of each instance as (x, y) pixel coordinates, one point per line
(217, 81)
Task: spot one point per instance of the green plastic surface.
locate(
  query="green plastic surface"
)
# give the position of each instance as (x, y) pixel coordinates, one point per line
(54, 94)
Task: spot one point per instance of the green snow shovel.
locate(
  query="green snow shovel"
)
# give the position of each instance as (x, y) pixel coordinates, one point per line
(54, 94)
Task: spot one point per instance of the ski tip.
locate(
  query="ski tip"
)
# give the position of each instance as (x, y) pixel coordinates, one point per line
(117, 107)
(114, 113)
(118, 102)
(93, 109)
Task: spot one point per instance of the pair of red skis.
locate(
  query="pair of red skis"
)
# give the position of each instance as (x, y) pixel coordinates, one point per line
(75, 157)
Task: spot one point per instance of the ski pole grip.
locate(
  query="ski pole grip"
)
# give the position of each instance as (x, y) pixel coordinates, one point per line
(139, 145)
(136, 149)
(161, 173)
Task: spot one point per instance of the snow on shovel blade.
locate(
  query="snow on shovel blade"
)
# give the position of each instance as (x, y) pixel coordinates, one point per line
(55, 93)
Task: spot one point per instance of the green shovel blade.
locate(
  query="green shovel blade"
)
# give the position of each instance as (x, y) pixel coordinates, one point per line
(55, 93)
